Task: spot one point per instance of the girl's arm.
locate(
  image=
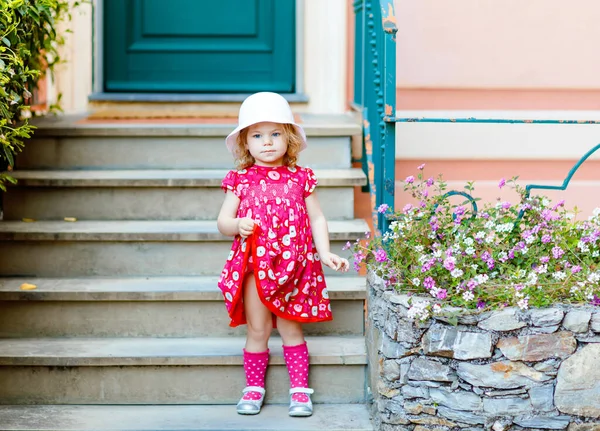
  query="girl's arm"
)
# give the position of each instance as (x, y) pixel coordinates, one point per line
(320, 232)
(227, 222)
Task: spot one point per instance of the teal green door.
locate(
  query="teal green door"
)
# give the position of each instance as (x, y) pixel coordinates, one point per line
(202, 46)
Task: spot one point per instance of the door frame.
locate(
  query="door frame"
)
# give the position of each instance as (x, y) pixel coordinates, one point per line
(98, 64)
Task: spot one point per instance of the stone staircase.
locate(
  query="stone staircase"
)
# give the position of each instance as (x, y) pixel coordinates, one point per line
(126, 328)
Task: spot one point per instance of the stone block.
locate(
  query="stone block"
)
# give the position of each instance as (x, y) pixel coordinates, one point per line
(452, 343)
(500, 375)
(542, 398)
(461, 416)
(507, 406)
(546, 316)
(459, 400)
(502, 320)
(540, 422)
(425, 369)
(538, 347)
(577, 320)
(578, 383)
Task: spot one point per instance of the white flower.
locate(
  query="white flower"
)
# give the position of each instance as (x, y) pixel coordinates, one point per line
(583, 247)
(530, 239)
(474, 267)
(569, 216)
(545, 202)
(559, 275)
(524, 250)
(457, 272)
(532, 278)
(437, 308)
(481, 278)
(489, 224)
(437, 253)
(469, 241)
(423, 258)
(542, 269)
(479, 235)
(419, 248)
(596, 253)
(594, 277)
(416, 281)
(523, 304)
(470, 251)
(468, 296)
(596, 212)
(419, 309)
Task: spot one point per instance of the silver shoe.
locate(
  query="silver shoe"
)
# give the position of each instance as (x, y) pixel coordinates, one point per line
(301, 409)
(251, 407)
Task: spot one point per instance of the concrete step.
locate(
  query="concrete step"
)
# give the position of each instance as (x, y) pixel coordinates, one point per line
(150, 194)
(330, 417)
(205, 370)
(147, 307)
(71, 142)
(127, 248)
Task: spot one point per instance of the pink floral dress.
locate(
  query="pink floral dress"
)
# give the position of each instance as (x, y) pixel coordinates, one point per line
(280, 252)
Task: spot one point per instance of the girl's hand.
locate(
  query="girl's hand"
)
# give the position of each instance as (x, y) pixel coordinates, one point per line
(335, 262)
(245, 227)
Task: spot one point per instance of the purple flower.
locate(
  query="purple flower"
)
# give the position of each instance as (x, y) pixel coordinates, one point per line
(511, 254)
(368, 234)
(557, 252)
(559, 204)
(544, 259)
(460, 210)
(359, 257)
(429, 283)
(410, 179)
(472, 284)
(491, 264)
(486, 256)
(422, 204)
(505, 205)
(546, 238)
(421, 167)
(595, 301)
(429, 182)
(502, 183)
(425, 193)
(347, 246)
(575, 269)
(407, 208)
(449, 263)
(480, 304)
(381, 255)
(382, 208)
(442, 294)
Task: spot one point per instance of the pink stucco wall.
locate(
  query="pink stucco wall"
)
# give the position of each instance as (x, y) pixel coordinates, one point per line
(508, 44)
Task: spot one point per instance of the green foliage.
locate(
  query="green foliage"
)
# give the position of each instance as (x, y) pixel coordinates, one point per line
(447, 256)
(28, 48)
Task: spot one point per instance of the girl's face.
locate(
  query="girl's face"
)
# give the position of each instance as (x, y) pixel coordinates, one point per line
(267, 143)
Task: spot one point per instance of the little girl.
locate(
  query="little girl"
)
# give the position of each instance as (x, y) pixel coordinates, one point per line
(273, 276)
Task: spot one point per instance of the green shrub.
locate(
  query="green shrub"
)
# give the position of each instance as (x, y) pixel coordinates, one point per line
(28, 49)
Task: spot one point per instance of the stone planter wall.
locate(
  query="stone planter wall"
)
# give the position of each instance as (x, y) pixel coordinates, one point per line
(508, 369)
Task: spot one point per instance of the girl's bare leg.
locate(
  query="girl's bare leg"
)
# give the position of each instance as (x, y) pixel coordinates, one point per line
(290, 331)
(260, 321)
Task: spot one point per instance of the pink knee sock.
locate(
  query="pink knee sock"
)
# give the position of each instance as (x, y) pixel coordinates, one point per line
(255, 367)
(296, 360)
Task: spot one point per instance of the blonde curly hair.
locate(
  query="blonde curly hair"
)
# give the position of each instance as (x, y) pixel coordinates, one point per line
(243, 158)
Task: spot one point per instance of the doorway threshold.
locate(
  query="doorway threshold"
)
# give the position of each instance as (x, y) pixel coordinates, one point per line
(185, 97)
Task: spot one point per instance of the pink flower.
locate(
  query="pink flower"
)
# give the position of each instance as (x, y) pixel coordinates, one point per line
(382, 208)
(347, 246)
(575, 269)
(381, 255)
(407, 208)
(502, 183)
(410, 179)
(442, 294)
(429, 182)
(421, 167)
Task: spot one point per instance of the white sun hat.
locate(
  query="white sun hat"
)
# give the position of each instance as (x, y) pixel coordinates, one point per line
(264, 107)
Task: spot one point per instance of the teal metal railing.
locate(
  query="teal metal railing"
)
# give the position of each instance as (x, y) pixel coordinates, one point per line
(375, 96)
